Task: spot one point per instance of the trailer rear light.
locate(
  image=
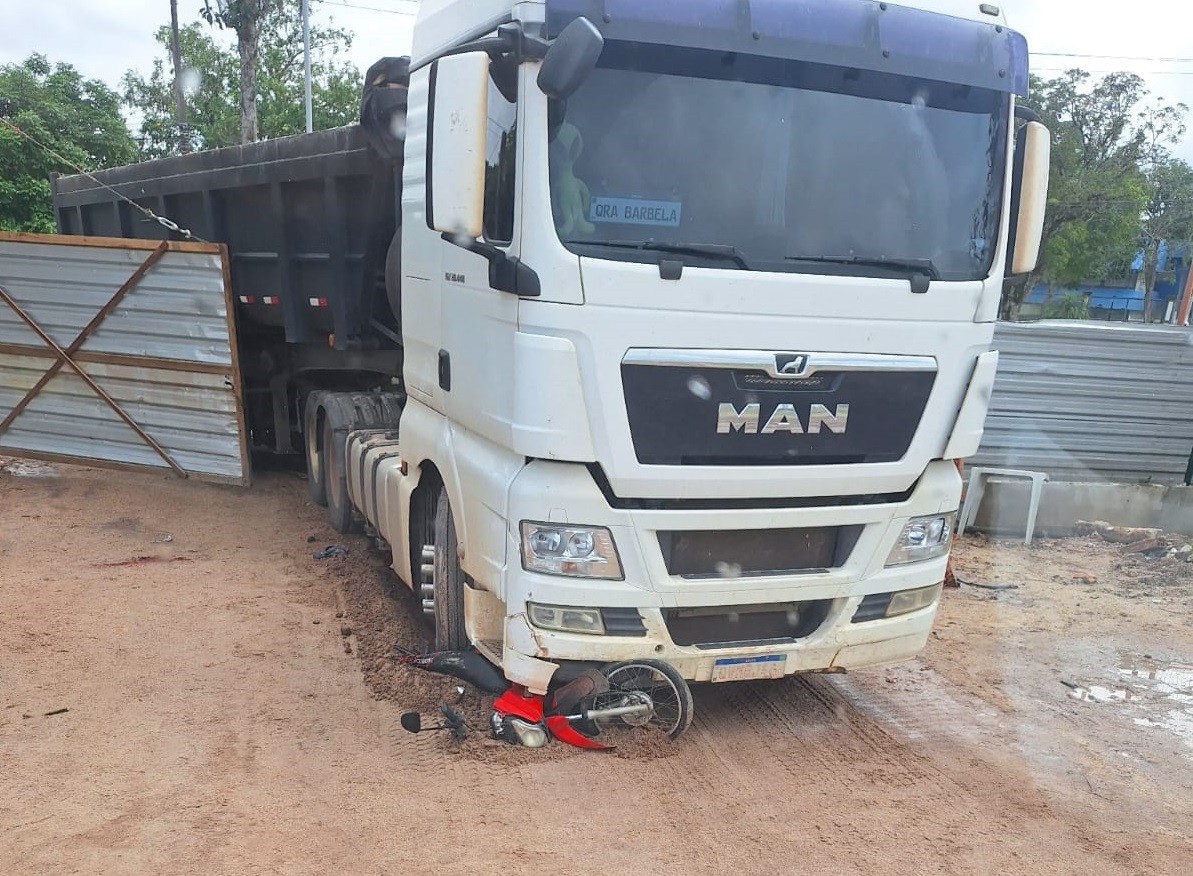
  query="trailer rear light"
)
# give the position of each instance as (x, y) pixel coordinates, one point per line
(922, 538)
(574, 551)
(246, 299)
(271, 299)
(318, 302)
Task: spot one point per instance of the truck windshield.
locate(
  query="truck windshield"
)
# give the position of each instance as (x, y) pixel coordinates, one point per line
(791, 166)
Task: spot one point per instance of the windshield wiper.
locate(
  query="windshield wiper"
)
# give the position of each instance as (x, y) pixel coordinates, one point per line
(724, 251)
(921, 270)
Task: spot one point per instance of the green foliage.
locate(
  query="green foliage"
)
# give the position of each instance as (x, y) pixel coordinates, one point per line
(1110, 185)
(238, 13)
(78, 118)
(1167, 216)
(1071, 305)
(212, 72)
(1096, 191)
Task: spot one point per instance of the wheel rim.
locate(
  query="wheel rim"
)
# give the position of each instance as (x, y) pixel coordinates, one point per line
(335, 484)
(426, 577)
(315, 457)
(425, 569)
(666, 698)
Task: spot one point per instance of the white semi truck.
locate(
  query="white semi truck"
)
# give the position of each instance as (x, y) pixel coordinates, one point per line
(696, 317)
(693, 303)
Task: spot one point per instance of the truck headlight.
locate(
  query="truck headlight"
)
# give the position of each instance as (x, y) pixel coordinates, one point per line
(566, 619)
(575, 551)
(922, 538)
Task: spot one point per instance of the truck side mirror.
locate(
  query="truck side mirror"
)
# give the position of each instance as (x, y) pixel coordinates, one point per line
(1033, 148)
(460, 110)
(572, 57)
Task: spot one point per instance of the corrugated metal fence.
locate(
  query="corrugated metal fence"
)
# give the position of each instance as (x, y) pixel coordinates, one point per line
(119, 353)
(1092, 401)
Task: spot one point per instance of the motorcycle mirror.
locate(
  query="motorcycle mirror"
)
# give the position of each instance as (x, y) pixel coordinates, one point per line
(412, 722)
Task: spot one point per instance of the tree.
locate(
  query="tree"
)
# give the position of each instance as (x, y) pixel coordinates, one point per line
(1096, 188)
(78, 118)
(1168, 210)
(245, 17)
(213, 96)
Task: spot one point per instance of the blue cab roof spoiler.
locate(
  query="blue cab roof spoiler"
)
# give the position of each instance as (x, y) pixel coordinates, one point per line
(862, 34)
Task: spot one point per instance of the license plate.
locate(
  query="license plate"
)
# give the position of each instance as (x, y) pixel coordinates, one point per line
(745, 668)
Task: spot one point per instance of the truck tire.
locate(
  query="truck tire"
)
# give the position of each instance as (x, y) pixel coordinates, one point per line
(450, 634)
(313, 447)
(342, 413)
(393, 277)
(339, 506)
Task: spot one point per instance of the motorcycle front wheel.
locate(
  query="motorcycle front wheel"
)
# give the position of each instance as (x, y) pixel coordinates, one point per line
(669, 694)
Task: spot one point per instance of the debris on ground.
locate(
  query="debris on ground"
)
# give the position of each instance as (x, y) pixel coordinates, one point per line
(332, 550)
(983, 586)
(141, 560)
(1117, 534)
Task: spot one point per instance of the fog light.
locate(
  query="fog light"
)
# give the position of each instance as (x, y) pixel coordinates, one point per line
(922, 538)
(907, 601)
(566, 619)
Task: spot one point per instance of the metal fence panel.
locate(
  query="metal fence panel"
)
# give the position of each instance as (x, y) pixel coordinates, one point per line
(163, 353)
(1087, 401)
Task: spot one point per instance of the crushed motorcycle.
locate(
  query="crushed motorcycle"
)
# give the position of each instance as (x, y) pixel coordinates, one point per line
(582, 707)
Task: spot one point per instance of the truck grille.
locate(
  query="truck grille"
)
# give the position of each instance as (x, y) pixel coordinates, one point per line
(720, 626)
(714, 414)
(737, 552)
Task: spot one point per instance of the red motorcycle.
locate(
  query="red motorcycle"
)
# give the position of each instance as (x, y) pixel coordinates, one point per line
(578, 708)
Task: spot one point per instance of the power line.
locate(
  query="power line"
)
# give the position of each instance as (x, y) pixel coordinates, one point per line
(1112, 57)
(1119, 70)
(407, 12)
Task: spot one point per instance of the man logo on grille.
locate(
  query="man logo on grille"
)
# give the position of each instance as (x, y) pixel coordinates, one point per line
(783, 418)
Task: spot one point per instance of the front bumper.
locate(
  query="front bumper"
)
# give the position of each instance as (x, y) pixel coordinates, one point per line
(566, 493)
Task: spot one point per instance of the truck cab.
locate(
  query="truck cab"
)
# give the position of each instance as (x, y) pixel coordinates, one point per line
(696, 308)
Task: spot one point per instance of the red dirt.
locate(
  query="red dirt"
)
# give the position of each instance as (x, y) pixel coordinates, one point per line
(220, 721)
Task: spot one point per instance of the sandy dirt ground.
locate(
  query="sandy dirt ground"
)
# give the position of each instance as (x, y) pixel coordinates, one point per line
(184, 689)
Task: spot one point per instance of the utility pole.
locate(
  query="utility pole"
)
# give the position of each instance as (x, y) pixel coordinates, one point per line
(184, 137)
(306, 61)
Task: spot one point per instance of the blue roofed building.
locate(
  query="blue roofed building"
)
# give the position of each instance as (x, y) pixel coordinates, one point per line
(1124, 302)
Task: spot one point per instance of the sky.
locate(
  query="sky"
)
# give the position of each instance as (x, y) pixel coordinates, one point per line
(104, 38)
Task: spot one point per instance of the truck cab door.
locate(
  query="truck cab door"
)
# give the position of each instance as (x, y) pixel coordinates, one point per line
(475, 362)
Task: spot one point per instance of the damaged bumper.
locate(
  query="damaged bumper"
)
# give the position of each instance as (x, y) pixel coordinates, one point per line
(732, 623)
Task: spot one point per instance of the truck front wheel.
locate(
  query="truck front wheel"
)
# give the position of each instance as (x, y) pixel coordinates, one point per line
(449, 581)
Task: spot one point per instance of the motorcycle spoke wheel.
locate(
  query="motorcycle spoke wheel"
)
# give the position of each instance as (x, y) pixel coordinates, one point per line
(668, 692)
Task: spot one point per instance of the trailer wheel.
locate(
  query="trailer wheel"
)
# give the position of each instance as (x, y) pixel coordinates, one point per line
(449, 581)
(339, 507)
(313, 445)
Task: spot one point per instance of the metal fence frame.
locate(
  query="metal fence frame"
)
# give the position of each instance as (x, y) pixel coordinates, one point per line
(187, 382)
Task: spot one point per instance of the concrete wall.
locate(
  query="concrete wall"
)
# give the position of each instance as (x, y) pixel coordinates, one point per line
(1004, 507)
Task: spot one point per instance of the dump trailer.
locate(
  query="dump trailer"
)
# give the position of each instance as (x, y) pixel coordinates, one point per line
(309, 222)
(688, 317)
